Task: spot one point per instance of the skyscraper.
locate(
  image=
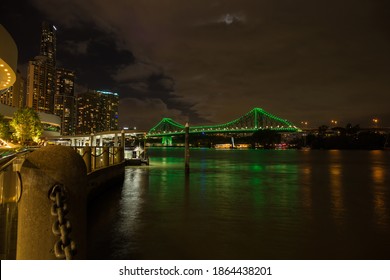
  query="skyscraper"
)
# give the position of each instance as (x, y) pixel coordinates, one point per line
(64, 100)
(49, 43)
(97, 111)
(41, 73)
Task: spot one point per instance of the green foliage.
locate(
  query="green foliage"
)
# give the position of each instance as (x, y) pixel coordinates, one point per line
(27, 125)
(352, 130)
(4, 128)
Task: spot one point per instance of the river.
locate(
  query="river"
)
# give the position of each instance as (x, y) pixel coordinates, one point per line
(247, 204)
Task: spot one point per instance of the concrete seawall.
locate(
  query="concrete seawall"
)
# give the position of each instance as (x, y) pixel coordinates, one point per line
(103, 178)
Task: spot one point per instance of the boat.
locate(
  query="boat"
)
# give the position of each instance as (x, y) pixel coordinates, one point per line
(136, 161)
(136, 156)
(243, 146)
(223, 146)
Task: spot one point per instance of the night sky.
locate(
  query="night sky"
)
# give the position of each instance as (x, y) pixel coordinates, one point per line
(210, 61)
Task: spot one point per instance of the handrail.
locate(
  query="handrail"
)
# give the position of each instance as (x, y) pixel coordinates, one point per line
(5, 161)
(10, 192)
(97, 157)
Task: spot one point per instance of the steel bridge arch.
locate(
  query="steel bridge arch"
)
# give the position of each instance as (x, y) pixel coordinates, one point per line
(252, 121)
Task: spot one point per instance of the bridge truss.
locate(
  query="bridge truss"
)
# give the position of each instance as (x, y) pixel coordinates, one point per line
(254, 120)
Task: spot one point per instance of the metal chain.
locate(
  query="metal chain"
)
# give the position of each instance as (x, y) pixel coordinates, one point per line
(98, 155)
(65, 247)
(115, 152)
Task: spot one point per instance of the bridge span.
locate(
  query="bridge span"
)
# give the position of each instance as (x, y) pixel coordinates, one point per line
(254, 120)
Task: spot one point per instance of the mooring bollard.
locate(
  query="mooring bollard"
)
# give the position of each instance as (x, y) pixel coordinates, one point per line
(52, 207)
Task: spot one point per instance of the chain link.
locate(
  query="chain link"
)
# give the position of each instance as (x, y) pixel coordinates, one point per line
(65, 247)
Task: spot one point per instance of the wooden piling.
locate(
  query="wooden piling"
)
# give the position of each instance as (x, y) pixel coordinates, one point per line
(187, 149)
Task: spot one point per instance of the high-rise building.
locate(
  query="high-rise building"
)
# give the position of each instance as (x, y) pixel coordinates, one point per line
(97, 111)
(41, 76)
(40, 91)
(15, 95)
(64, 100)
(19, 91)
(48, 46)
(110, 110)
(6, 96)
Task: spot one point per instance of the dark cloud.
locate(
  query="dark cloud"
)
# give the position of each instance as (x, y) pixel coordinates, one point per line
(76, 48)
(212, 61)
(138, 71)
(94, 58)
(141, 112)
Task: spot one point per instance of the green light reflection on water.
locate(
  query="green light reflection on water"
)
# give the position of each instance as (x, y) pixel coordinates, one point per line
(257, 205)
(257, 183)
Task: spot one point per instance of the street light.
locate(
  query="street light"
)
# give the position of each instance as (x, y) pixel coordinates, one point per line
(334, 122)
(375, 122)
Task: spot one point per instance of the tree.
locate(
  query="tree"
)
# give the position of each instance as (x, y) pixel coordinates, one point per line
(352, 130)
(26, 125)
(322, 130)
(4, 128)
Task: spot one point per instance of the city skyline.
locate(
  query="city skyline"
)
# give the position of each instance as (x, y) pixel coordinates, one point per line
(206, 63)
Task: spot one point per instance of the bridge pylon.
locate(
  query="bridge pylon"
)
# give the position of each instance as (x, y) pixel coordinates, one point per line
(166, 140)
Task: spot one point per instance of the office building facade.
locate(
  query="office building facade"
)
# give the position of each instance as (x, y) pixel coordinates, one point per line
(41, 73)
(15, 95)
(64, 100)
(97, 111)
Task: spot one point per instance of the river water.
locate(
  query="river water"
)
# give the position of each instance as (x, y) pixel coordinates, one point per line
(247, 204)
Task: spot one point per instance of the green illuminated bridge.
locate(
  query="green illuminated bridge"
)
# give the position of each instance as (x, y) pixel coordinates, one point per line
(254, 120)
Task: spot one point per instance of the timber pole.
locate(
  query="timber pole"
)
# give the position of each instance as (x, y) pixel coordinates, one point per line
(187, 149)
